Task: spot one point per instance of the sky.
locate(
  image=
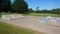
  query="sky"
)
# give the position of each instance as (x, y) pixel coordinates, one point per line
(42, 4)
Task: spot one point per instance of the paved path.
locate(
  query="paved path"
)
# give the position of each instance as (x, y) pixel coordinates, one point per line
(34, 23)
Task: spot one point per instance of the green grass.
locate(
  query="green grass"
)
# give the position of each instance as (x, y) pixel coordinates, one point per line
(37, 14)
(42, 14)
(0, 14)
(6, 29)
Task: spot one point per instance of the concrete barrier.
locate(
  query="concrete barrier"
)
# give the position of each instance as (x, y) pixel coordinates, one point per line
(9, 17)
(51, 20)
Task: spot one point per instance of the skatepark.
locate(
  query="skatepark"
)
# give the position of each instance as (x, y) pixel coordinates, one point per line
(33, 22)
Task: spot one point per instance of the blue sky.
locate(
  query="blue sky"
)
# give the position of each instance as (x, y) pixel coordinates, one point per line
(43, 4)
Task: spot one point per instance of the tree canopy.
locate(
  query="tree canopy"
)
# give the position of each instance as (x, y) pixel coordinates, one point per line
(20, 6)
(5, 5)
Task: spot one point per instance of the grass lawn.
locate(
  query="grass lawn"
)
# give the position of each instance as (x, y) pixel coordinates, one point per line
(0, 14)
(6, 29)
(36, 14)
(42, 14)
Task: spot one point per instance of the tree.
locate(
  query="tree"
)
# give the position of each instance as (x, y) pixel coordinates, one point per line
(45, 11)
(30, 10)
(56, 11)
(37, 8)
(20, 6)
(5, 5)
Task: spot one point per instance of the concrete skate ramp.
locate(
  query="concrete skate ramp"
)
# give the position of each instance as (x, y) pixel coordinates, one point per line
(11, 17)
